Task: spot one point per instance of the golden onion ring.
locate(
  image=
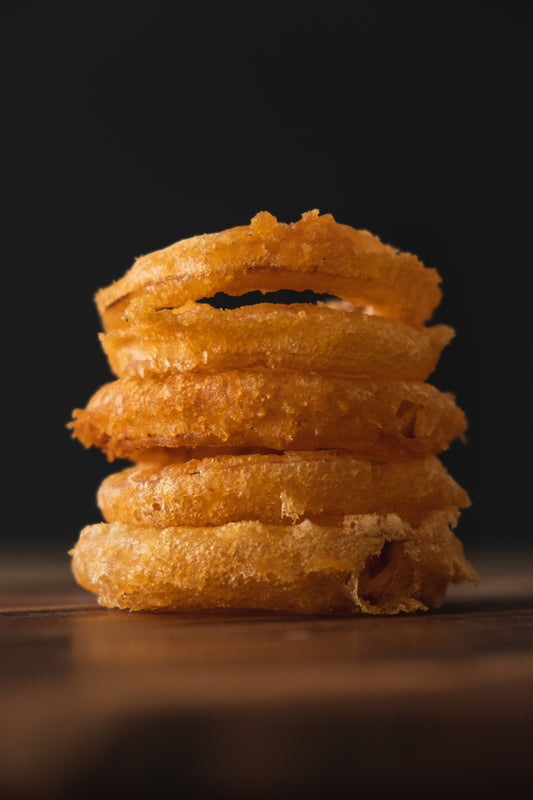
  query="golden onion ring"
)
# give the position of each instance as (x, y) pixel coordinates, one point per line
(273, 409)
(370, 564)
(316, 253)
(199, 338)
(276, 489)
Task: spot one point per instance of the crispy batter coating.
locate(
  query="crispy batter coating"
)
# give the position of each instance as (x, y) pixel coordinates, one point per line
(199, 338)
(314, 253)
(285, 454)
(370, 564)
(272, 409)
(276, 489)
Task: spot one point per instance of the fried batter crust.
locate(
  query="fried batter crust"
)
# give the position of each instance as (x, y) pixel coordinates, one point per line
(286, 454)
(372, 564)
(200, 338)
(272, 409)
(276, 489)
(314, 253)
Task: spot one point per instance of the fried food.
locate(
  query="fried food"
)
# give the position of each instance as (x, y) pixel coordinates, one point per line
(314, 253)
(285, 456)
(277, 489)
(200, 338)
(270, 409)
(368, 563)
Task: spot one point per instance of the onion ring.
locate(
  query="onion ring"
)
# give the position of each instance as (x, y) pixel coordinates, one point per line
(286, 455)
(200, 338)
(271, 409)
(276, 489)
(314, 253)
(370, 564)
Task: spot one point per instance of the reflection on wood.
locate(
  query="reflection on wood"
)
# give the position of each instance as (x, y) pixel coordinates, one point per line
(256, 704)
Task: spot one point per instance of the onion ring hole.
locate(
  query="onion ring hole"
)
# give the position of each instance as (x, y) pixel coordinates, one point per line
(223, 301)
(386, 577)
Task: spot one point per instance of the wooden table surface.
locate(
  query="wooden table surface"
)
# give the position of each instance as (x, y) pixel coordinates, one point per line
(103, 703)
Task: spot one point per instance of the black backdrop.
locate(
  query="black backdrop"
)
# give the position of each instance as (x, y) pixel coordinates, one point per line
(127, 127)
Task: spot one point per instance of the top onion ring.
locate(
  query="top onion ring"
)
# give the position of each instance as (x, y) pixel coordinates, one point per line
(314, 253)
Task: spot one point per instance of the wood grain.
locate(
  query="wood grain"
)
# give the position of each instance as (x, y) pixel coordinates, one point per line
(97, 702)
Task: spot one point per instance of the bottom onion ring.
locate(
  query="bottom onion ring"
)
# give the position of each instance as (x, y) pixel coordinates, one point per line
(276, 489)
(371, 564)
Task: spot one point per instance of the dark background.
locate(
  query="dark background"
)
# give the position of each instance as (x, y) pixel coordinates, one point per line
(126, 128)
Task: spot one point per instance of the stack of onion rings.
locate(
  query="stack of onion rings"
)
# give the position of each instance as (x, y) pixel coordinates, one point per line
(285, 456)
